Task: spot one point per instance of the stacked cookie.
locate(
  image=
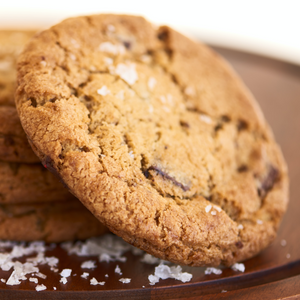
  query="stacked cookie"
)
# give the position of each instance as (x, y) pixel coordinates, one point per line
(33, 203)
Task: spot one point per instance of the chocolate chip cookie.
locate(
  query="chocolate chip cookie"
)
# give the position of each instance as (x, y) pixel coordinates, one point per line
(156, 135)
(51, 222)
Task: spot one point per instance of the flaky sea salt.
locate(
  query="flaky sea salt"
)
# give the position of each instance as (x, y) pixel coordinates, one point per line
(89, 264)
(40, 287)
(41, 275)
(108, 61)
(206, 119)
(66, 272)
(211, 270)
(150, 259)
(217, 208)
(94, 281)
(213, 212)
(288, 256)
(103, 91)
(259, 222)
(125, 280)
(127, 72)
(108, 47)
(240, 227)
(43, 63)
(35, 280)
(3, 280)
(85, 275)
(238, 267)
(131, 154)
(208, 208)
(163, 272)
(63, 280)
(151, 83)
(118, 270)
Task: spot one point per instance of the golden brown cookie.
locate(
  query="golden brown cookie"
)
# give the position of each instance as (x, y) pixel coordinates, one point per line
(51, 222)
(156, 135)
(30, 183)
(14, 146)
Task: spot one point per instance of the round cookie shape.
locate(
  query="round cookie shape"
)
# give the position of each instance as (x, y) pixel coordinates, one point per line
(51, 222)
(157, 137)
(30, 183)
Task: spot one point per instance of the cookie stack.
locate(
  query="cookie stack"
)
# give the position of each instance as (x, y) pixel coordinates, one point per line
(33, 203)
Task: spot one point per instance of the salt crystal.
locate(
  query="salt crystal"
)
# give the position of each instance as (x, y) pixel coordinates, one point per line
(151, 83)
(283, 243)
(40, 287)
(213, 212)
(240, 227)
(35, 280)
(208, 208)
(54, 288)
(85, 275)
(150, 259)
(94, 281)
(43, 63)
(3, 280)
(125, 280)
(219, 209)
(127, 72)
(206, 119)
(162, 271)
(72, 56)
(288, 256)
(89, 264)
(238, 267)
(41, 275)
(223, 291)
(66, 272)
(111, 28)
(108, 47)
(259, 222)
(106, 275)
(103, 91)
(63, 280)
(118, 270)
(131, 154)
(211, 270)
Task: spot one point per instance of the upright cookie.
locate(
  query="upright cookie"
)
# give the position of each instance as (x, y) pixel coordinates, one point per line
(156, 135)
(51, 222)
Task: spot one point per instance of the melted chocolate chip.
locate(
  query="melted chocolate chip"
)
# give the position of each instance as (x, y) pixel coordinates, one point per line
(268, 182)
(33, 101)
(242, 125)
(167, 176)
(184, 124)
(242, 168)
(127, 45)
(225, 119)
(239, 245)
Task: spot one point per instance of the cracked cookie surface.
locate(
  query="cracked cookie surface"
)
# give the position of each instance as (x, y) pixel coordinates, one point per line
(157, 137)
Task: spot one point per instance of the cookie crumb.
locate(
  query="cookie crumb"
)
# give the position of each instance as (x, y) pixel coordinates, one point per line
(103, 91)
(125, 280)
(211, 270)
(40, 287)
(238, 267)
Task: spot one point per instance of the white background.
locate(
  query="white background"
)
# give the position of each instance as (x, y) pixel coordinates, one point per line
(267, 27)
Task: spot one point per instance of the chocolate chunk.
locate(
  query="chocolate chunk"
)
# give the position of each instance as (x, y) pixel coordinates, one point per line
(184, 124)
(242, 168)
(167, 176)
(239, 245)
(268, 182)
(242, 125)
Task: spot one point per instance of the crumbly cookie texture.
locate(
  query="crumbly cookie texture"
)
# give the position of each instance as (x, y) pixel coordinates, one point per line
(14, 145)
(30, 183)
(51, 222)
(156, 135)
